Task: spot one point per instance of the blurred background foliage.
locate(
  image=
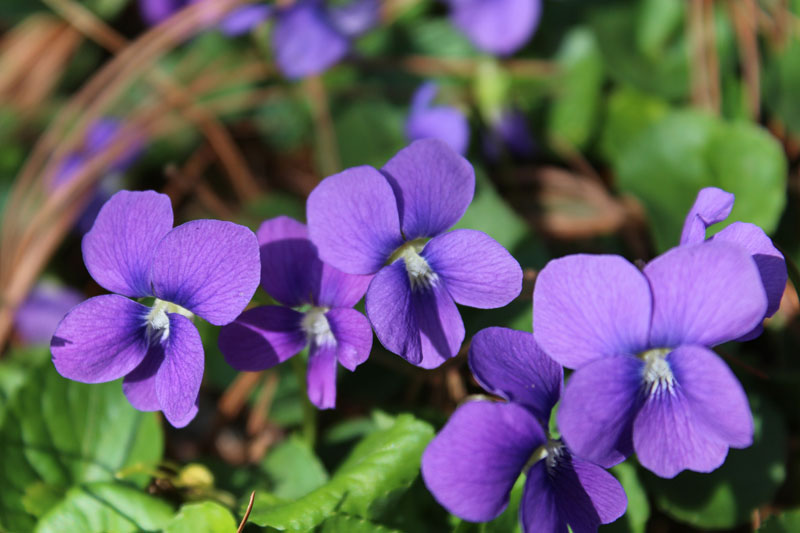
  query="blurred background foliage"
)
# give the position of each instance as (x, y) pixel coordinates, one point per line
(632, 107)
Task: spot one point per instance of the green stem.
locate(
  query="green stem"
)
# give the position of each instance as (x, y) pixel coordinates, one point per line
(299, 367)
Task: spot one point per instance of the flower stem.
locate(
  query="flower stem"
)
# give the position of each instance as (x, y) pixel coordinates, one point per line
(299, 367)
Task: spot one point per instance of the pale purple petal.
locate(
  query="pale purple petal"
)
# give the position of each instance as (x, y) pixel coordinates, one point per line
(712, 205)
(304, 40)
(120, 248)
(179, 377)
(496, 26)
(445, 123)
(290, 269)
(510, 364)
(476, 270)
(668, 438)
(474, 461)
(441, 330)
(100, 340)
(139, 386)
(538, 510)
(337, 289)
(262, 337)
(355, 17)
(598, 408)
(587, 495)
(210, 267)
(433, 185)
(245, 19)
(590, 306)
(353, 336)
(353, 220)
(769, 261)
(321, 376)
(156, 11)
(714, 395)
(38, 316)
(704, 294)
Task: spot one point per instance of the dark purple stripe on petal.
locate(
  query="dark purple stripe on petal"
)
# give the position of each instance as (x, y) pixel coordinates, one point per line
(587, 495)
(538, 511)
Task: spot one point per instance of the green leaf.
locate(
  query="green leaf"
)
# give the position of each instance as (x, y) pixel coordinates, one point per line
(782, 84)
(294, 469)
(788, 522)
(56, 433)
(369, 132)
(353, 524)
(203, 517)
(638, 511)
(103, 507)
(628, 114)
(658, 21)
(437, 37)
(383, 463)
(726, 497)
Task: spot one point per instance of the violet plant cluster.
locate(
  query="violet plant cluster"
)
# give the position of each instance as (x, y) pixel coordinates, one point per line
(645, 378)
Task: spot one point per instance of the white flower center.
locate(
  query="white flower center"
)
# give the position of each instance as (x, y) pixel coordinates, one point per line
(420, 273)
(317, 328)
(551, 452)
(657, 374)
(157, 320)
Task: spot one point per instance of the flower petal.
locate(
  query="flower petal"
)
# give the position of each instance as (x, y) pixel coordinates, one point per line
(353, 220)
(304, 40)
(590, 306)
(37, 318)
(139, 385)
(587, 495)
(210, 267)
(476, 269)
(100, 340)
(712, 205)
(715, 396)
(179, 377)
(155, 11)
(704, 294)
(321, 376)
(353, 336)
(471, 465)
(262, 337)
(121, 246)
(290, 268)
(244, 19)
(598, 408)
(436, 122)
(433, 186)
(510, 364)
(537, 509)
(497, 26)
(355, 17)
(769, 261)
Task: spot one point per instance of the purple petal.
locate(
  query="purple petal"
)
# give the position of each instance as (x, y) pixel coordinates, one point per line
(262, 337)
(337, 289)
(353, 336)
(590, 306)
(538, 510)
(704, 294)
(321, 376)
(433, 185)
(155, 11)
(290, 269)
(423, 326)
(715, 396)
(139, 386)
(712, 205)
(100, 340)
(38, 316)
(510, 364)
(356, 17)
(598, 408)
(587, 495)
(179, 377)
(244, 19)
(496, 26)
(472, 464)
(475, 268)
(305, 42)
(769, 261)
(210, 267)
(445, 123)
(121, 246)
(512, 129)
(353, 220)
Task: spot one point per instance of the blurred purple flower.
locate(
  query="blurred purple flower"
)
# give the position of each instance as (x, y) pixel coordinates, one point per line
(471, 466)
(509, 132)
(426, 121)
(498, 27)
(204, 267)
(365, 221)
(646, 379)
(43, 309)
(292, 274)
(712, 206)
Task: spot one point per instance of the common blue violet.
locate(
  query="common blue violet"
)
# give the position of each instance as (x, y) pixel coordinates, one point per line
(498, 27)
(39, 315)
(205, 267)
(366, 221)
(446, 123)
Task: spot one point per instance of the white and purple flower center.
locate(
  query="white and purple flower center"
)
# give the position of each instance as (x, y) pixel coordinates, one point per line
(657, 373)
(157, 321)
(551, 452)
(317, 328)
(420, 273)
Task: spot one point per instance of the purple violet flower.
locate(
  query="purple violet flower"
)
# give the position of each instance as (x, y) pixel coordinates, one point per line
(426, 121)
(645, 377)
(509, 132)
(39, 315)
(292, 274)
(498, 27)
(204, 267)
(366, 221)
(712, 206)
(471, 466)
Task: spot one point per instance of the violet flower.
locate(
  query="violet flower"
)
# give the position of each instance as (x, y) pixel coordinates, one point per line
(712, 206)
(509, 132)
(292, 274)
(426, 121)
(38, 316)
(365, 221)
(204, 267)
(498, 27)
(646, 379)
(471, 466)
